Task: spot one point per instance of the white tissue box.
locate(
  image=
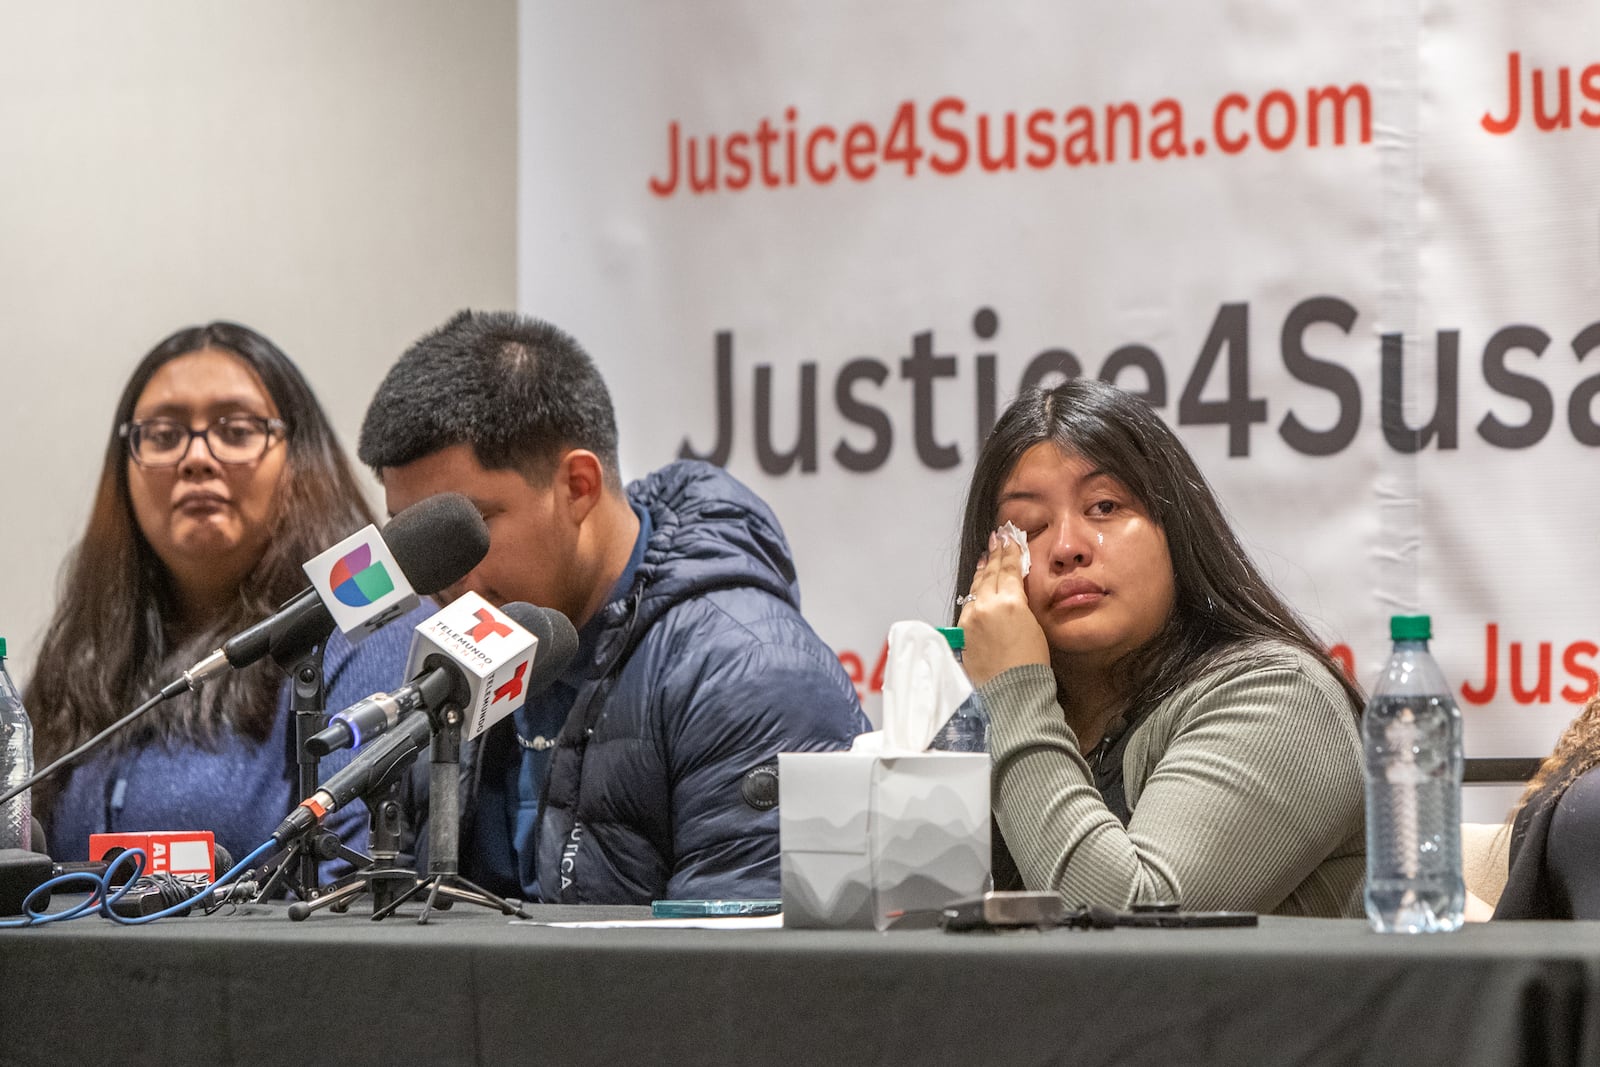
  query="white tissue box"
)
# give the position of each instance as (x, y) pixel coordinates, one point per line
(865, 835)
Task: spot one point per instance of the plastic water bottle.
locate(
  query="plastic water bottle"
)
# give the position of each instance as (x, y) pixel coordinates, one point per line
(968, 729)
(16, 762)
(1411, 733)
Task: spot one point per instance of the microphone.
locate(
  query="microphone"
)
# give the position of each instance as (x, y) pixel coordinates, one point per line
(368, 769)
(487, 668)
(442, 676)
(500, 656)
(434, 543)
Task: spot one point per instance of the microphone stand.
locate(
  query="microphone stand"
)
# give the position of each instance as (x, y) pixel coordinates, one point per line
(444, 831)
(380, 875)
(307, 701)
(392, 885)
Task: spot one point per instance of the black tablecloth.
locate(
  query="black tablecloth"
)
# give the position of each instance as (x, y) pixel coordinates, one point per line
(254, 988)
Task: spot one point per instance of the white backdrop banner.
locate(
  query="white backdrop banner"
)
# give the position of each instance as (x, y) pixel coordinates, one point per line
(1351, 254)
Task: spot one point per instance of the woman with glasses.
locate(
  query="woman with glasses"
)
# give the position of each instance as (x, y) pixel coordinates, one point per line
(221, 478)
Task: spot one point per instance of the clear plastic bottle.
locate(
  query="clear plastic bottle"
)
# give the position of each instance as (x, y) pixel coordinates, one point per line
(968, 729)
(1411, 734)
(16, 762)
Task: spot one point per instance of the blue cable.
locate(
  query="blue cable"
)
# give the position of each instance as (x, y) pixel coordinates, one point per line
(102, 896)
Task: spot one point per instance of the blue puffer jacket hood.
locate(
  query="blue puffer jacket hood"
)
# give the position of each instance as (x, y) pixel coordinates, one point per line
(709, 531)
(662, 782)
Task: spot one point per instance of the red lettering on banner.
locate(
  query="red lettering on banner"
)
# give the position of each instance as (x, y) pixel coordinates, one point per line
(1078, 148)
(875, 683)
(1166, 139)
(1083, 134)
(708, 182)
(1127, 111)
(1285, 104)
(657, 185)
(818, 174)
(1039, 135)
(866, 685)
(738, 161)
(1345, 657)
(1561, 118)
(1551, 94)
(1230, 145)
(1006, 159)
(1491, 660)
(1513, 98)
(860, 146)
(948, 134)
(1575, 658)
(765, 137)
(1339, 98)
(1580, 672)
(852, 666)
(901, 144)
(1540, 691)
(789, 147)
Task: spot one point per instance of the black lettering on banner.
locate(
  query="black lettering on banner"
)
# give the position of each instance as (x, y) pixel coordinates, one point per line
(1324, 374)
(862, 414)
(1050, 361)
(920, 369)
(1531, 391)
(804, 451)
(1231, 330)
(1143, 359)
(985, 324)
(1580, 405)
(1391, 394)
(867, 402)
(724, 386)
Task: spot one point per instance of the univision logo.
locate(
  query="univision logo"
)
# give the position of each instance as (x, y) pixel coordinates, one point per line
(358, 581)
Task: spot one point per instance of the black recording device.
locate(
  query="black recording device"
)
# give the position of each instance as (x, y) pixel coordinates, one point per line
(23, 872)
(1002, 910)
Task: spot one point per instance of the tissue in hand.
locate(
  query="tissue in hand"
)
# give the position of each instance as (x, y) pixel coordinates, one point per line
(887, 827)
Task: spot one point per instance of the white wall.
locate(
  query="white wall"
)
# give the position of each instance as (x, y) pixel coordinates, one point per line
(340, 176)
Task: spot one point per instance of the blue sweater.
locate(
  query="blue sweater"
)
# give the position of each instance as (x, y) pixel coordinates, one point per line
(242, 789)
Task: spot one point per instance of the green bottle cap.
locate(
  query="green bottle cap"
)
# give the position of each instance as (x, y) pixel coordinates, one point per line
(1410, 628)
(953, 634)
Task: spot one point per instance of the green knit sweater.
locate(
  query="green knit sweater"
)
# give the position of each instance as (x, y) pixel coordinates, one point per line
(1245, 789)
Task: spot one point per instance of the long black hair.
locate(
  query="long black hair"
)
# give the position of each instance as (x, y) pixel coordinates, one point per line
(115, 635)
(1221, 600)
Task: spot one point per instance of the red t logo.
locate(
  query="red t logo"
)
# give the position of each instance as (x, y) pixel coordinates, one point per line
(487, 624)
(512, 687)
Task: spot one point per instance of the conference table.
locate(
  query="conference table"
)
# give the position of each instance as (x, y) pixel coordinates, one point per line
(249, 986)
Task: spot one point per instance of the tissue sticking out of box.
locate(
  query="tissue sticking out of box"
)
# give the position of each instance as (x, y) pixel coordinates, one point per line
(923, 685)
(1010, 530)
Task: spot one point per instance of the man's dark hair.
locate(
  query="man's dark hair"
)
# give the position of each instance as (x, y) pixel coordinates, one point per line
(518, 390)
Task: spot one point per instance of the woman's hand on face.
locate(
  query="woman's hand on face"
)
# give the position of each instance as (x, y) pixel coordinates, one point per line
(1001, 631)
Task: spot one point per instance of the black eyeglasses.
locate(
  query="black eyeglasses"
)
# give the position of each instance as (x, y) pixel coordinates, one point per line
(233, 439)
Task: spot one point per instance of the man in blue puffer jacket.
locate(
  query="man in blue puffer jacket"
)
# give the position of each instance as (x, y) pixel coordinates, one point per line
(649, 769)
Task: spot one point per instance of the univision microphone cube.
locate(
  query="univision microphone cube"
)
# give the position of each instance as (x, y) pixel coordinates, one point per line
(491, 650)
(361, 584)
